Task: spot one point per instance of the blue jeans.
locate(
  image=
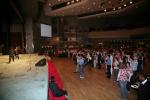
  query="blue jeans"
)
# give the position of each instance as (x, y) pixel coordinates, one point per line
(81, 70)
(123, 89)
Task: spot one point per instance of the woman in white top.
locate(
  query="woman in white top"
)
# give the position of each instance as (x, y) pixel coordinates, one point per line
(116, 68)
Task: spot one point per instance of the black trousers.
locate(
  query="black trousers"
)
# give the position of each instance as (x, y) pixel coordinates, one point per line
(108, 71)
(11, 58)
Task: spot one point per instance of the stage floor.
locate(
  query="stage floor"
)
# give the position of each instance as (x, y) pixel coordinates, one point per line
(21, 80)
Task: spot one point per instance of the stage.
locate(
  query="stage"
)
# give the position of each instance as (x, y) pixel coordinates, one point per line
(21, 80)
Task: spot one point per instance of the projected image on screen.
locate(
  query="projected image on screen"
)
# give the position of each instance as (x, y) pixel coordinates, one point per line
(46, 30)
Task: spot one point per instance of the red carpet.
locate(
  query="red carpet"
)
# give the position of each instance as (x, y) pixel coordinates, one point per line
(52, 72)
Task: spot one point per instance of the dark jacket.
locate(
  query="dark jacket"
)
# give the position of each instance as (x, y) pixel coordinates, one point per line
(57, 92)
(144, 91)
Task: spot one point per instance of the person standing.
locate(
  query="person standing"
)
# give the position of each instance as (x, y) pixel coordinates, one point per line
(11, 55)
(77, 63)
(123, 78)
(81, 65)
(16, 51)
(116, 68)
(108, 63)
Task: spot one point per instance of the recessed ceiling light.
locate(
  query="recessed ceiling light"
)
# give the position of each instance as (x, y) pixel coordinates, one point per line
(94, 3)
(109, 2)
(114, 8)
(131, 2)
(124, 5)
(105, 10)
(49, 4)
(119, 7)
(72, 1)
(68, 3)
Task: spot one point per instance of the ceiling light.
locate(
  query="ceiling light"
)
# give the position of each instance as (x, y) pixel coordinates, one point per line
(72, 1)
(105, 10)
(124, 5)
(114, 9)
(131, 2)
(49, 4)
(77, 0)
(68, 3)
(119, 7)
(94, 3)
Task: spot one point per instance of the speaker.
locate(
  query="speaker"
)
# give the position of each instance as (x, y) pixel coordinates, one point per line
(41, 62)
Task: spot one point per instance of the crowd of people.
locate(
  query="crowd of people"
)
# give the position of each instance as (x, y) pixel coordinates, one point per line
(124, 66)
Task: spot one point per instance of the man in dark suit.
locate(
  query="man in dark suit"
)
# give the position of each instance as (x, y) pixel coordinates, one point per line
(144, 88)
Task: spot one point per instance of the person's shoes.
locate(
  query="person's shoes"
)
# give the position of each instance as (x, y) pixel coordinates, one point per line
(67, 97)
(81, 77)
(76, 72)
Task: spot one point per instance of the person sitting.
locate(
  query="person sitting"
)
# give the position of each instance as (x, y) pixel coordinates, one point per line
(56, 91)
(144, 88)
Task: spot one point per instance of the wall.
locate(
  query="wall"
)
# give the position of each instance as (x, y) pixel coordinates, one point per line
(119, 33)
(38, 40)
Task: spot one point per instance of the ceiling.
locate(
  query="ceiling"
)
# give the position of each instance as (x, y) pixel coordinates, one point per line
(97, 11)
(80, 8)
(88, 7)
